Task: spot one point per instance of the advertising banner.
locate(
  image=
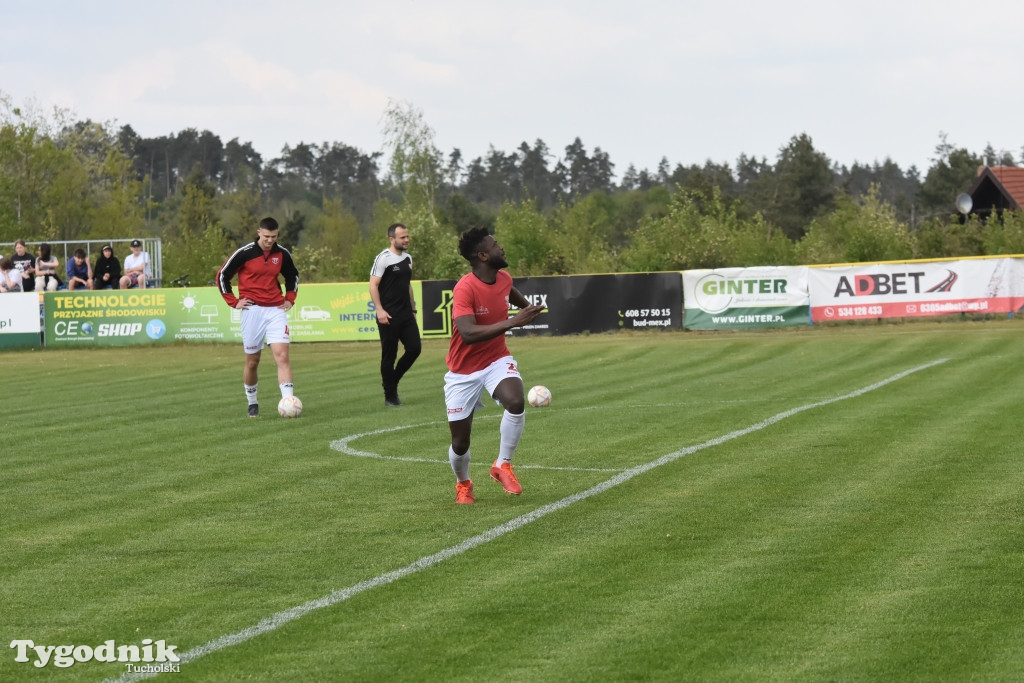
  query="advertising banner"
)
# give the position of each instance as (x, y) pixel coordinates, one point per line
(108, 317)
(19, 320)
(336, 312)
(576, 304)
(904, 290)
(744, 298)
(322, 312)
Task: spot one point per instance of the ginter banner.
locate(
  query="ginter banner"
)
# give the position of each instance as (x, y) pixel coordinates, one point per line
(322, 312)
(742, 298)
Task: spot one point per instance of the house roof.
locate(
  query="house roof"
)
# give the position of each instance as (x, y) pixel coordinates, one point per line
(999, 187)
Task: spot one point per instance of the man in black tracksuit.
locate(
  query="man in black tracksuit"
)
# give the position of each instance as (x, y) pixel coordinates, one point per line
(391, 292)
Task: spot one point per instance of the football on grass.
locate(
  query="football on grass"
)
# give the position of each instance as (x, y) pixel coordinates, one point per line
(539, 396)
(290, 406)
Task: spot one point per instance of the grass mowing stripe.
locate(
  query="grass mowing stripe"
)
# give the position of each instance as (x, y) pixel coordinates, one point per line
(279, 619)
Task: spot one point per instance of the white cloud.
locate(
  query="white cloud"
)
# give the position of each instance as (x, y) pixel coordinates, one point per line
(702, 79)
(425, 71)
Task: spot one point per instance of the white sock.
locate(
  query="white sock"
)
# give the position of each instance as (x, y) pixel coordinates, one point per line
(250, 393)
(287, 389)
(511, 431)
(460, 464)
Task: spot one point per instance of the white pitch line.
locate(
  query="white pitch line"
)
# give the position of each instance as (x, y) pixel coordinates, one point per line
(342, 446)
(276, 621)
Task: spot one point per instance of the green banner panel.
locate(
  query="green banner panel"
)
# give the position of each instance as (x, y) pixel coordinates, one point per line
(746, 318)
(19, 340)
(323, 312)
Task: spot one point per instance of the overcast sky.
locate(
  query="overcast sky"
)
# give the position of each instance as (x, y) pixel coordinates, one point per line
(686, 80)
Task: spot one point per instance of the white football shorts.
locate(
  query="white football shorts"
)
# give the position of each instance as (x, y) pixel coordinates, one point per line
(462, 392)
(262, 325)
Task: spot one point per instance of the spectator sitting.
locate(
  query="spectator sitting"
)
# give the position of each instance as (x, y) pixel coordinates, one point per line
(136, 268)
(26, 265)
(79, 271)
(46, 270)
(10, 277)
(107, 271)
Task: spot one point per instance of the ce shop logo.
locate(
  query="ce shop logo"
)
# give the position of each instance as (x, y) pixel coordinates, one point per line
(73, 329)
(715, 292)
(155, 329)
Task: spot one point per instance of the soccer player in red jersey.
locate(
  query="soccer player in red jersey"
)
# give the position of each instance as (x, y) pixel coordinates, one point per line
(264, 309)
(479, 359)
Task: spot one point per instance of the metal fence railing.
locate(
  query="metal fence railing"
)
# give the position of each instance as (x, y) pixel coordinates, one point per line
(64, 250)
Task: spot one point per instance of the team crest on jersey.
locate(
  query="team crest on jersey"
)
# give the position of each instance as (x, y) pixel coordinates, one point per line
(275, 260)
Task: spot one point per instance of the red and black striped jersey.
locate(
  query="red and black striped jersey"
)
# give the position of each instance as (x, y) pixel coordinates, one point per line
(258, 273)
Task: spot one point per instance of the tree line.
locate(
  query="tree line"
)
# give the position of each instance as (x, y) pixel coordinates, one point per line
(555, 212)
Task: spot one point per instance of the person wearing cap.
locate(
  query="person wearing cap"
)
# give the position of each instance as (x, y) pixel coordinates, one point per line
(136, 268)
(107, 271)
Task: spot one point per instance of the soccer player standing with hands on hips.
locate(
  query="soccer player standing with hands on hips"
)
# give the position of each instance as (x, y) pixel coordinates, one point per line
(391, 292)
(478, 358)
(264, 309)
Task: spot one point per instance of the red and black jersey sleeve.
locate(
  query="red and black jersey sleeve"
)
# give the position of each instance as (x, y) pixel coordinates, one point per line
(290, 274)
(258, 274)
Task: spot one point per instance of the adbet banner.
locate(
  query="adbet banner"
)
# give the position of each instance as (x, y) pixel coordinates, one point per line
(906, 290)
(19, 320)
(327, 312)
(745, 298)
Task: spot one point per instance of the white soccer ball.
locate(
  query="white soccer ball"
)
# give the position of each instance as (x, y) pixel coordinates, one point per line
(290, 406)
(539, 396)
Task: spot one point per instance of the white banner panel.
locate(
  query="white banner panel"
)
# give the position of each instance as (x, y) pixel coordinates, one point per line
(19, 319)
(902, 290)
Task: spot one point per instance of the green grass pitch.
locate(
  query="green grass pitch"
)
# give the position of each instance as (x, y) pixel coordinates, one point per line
(871, 536)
